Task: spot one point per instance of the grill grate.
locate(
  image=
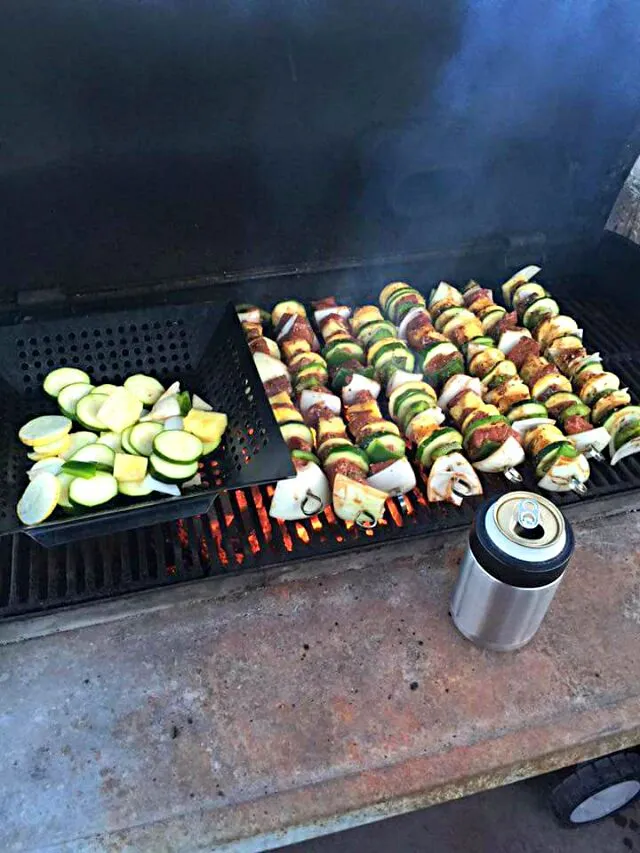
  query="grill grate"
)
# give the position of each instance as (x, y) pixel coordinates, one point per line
(237, 534)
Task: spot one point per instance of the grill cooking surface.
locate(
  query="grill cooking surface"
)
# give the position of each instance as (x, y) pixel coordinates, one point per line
(238, 535)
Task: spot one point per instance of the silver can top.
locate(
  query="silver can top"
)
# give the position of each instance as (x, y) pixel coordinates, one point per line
(526, 526)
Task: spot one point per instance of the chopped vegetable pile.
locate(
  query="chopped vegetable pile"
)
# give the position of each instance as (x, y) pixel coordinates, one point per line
(133, 440)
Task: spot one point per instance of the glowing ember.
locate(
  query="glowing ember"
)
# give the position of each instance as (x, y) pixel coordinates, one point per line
(217, 538)
(419, 497)
(171, 570)
(316, 523)
(329, 515)
(302, 533)
(395, 513)
(183, 536)
(286, 539)
(263, 515)
(253, 542)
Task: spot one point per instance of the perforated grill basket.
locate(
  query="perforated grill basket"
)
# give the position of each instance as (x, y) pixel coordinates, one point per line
(202, 345)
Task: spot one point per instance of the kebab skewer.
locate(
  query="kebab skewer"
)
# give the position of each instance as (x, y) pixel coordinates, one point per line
(412, 405)
(596, 391)
(549, 388)
(308, 492)
(346, 465)
(491, 444)
(390, 470)
(517, 381)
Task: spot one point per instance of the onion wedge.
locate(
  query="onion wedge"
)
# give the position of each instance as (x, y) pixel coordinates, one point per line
(459, 382)
(509, 339)
(251, 316)
(341, 310)
(566, 475)
(286, 328)
(309, 398)
(632, 446)
(523, 426)
(360, 383)
(408, 317)
(301, 497)
(507, 456)
(353, 501)
(397, 479)
(523, 275)
(593, 440)
(401, 377)
(269, 367)
(451, 479)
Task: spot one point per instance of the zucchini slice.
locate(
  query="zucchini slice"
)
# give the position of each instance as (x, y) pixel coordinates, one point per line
(111, 439)
(87, 411)
(99, 490)
(58, 379)
(171, 472)
(70, 395)
(174, 445)
(140, 437)
(78, 440)
(39, 499)
(102, 455)
(135, 490)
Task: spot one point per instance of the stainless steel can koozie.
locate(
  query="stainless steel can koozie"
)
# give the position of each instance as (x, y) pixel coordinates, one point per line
(519, 547)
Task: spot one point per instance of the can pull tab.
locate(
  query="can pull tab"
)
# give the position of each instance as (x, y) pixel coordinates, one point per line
(527, 519)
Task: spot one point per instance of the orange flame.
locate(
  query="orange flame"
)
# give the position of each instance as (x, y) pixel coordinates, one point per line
(263, 515)
(302, 533)
(217, 538)
(316, 523)
(395, 513)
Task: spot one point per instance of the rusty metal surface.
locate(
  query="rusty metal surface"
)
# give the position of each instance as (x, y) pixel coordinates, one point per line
(321, 700)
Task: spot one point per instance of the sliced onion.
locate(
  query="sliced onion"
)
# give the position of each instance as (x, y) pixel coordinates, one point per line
(269, 367)
(359, 502)
(475, 349)
(159, 486)
(309, 398)
(196, 480)
(628, 449)
(510, 338)
(446, 291)
(529, 423)
(590, 440)
(523, 275)
(451, 478)
(288, 325)
(360, 383)
(306, 494)
(175, 422)
(342, 310)
(199, 404)
(396, 479)
(171, 391)
(274, 349)
(408, 317)
(507, 456)
(456, 384)
(251, 316)
(565, 474)
(401, 377)
(166, 407)
(430, 416)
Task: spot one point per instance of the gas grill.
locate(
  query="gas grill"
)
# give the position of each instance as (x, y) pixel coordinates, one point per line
(260, 188)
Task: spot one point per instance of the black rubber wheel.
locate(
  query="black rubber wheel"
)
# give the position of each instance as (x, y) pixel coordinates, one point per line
(595, 790)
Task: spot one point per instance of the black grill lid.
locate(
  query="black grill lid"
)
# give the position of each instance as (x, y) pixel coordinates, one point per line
(158, 140)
